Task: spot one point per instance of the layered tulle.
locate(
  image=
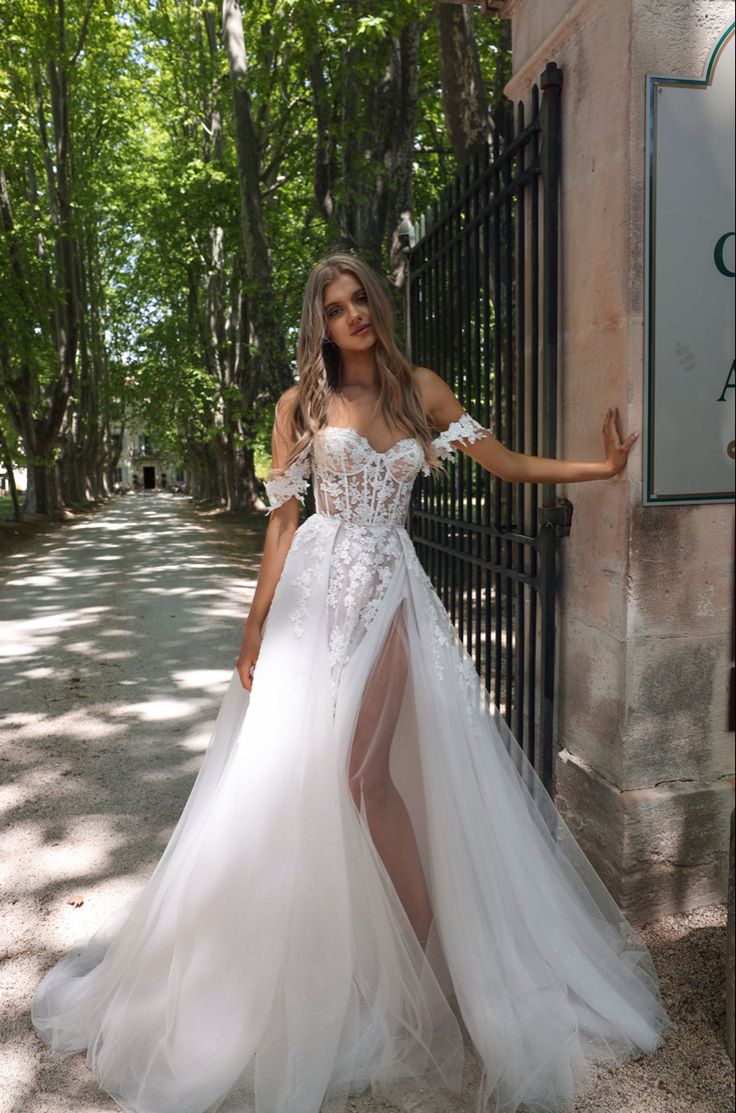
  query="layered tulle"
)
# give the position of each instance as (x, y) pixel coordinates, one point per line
(269, 965)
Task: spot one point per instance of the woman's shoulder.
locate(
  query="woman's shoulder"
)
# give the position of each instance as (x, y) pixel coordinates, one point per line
(287, 401)
(434, 391)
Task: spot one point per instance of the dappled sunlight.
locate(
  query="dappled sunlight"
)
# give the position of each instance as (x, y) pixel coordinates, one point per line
(157, 711)
(21, 636)
(77, 856)
(118, 639)
(119, 636)
(209, 680)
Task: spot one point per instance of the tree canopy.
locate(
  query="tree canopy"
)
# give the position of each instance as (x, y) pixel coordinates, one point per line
(169, 172)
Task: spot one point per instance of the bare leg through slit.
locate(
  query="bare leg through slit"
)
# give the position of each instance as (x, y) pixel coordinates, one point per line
(374, 793)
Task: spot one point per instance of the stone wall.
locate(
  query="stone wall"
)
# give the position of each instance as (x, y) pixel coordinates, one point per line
(645, 772)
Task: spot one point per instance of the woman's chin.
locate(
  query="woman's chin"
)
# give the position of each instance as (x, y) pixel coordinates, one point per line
(360, 343)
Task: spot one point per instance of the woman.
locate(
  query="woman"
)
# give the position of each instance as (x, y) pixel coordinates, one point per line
(367, 875)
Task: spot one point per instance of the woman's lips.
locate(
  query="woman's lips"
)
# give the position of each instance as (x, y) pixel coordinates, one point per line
(359, 331)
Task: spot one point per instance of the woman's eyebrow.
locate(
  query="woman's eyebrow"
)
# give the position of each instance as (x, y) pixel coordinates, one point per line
(329, 304)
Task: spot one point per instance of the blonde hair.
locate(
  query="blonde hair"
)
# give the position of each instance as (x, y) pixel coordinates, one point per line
(318, 362)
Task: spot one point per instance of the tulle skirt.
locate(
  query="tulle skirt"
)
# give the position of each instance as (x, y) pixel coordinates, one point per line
(270, 966)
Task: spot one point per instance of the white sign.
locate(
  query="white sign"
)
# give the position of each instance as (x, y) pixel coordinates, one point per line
(690, 375)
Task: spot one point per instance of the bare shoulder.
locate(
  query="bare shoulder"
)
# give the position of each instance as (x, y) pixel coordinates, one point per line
(286, 403)
(440, 404)
(287, 400)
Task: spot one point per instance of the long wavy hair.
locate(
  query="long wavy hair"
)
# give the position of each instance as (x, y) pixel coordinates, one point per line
(319, 364)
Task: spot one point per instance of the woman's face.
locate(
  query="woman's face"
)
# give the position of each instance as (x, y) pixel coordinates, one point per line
(348, 314)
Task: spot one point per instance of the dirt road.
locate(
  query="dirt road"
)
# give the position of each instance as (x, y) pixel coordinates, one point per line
(118, 635)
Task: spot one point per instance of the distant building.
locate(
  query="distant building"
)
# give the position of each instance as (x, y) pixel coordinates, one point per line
(141, 464)
(21, 478)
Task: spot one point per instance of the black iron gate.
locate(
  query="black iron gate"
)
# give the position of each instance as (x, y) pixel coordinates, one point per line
(482, 296)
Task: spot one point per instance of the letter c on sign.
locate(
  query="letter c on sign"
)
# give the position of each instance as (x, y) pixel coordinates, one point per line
(718, 255)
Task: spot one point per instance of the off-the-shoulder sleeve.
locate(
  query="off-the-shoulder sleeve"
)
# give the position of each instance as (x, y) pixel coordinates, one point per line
(294, 480)
(465, 429)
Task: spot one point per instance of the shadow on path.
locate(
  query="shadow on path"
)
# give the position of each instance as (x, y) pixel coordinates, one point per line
(117, 639)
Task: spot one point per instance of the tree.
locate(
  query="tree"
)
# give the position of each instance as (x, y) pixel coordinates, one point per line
(172, 173)
(53, 74)
(363, 65)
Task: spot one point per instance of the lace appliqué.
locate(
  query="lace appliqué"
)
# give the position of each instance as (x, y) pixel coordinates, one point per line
(362, 565)
(357, 483)
(316, 541)
(466, 430)
(291, 481)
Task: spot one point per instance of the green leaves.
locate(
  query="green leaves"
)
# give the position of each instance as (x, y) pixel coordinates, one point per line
(154, 209)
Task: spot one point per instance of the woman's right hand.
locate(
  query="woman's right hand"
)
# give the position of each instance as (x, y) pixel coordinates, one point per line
(249, 650)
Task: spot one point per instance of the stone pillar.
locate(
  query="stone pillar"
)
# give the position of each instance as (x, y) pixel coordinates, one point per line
(645, 772)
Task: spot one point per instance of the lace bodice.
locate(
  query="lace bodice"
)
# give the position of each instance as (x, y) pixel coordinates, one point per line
(354, 481)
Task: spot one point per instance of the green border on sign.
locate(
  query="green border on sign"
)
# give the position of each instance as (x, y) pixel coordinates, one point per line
(652, 83)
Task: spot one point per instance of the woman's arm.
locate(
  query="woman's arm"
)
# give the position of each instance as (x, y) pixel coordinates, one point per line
(282, 526)
(443, 407)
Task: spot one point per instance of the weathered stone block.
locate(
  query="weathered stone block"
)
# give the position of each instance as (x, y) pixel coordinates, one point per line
(681, 575)
(659, 850)
(593, 562)
(673, 729)
(593, 811)
(590, 703)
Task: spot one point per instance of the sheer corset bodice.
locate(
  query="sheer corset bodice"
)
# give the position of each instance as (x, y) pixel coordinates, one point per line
(355, 482)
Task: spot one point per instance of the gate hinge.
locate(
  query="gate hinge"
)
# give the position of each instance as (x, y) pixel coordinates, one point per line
(558, 515)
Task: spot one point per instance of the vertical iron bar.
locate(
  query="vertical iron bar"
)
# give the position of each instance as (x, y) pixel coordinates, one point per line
(533, 745)
(551, 83)
(509, 424)
(488, 372)
(477, 391)
(519, 408)
(499, 418)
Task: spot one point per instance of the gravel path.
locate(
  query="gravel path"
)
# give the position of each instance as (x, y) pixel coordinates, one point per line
(118, 635)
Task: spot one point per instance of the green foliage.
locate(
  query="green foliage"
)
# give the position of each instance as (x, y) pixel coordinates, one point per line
(154, 174)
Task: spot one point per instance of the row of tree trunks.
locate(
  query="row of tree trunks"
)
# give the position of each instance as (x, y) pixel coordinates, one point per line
(36, 406)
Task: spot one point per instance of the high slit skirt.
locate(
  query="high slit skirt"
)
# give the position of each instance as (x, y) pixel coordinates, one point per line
(286, 954)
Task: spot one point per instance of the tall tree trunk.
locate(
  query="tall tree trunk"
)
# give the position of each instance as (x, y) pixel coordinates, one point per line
(365, 134)
(269, 369)
(463, 89)
(38, 415)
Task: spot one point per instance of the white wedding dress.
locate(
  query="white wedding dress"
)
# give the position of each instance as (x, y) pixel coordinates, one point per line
(268, 966)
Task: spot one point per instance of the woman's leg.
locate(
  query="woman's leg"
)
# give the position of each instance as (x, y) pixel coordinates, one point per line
(372, 789)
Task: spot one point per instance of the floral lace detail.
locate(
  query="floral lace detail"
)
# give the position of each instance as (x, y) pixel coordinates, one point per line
(355, 482)
(316, 542)
(291, 481)
(466, 430)
(363, 563)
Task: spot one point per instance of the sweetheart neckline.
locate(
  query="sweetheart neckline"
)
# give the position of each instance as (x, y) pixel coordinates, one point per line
(352, 429)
